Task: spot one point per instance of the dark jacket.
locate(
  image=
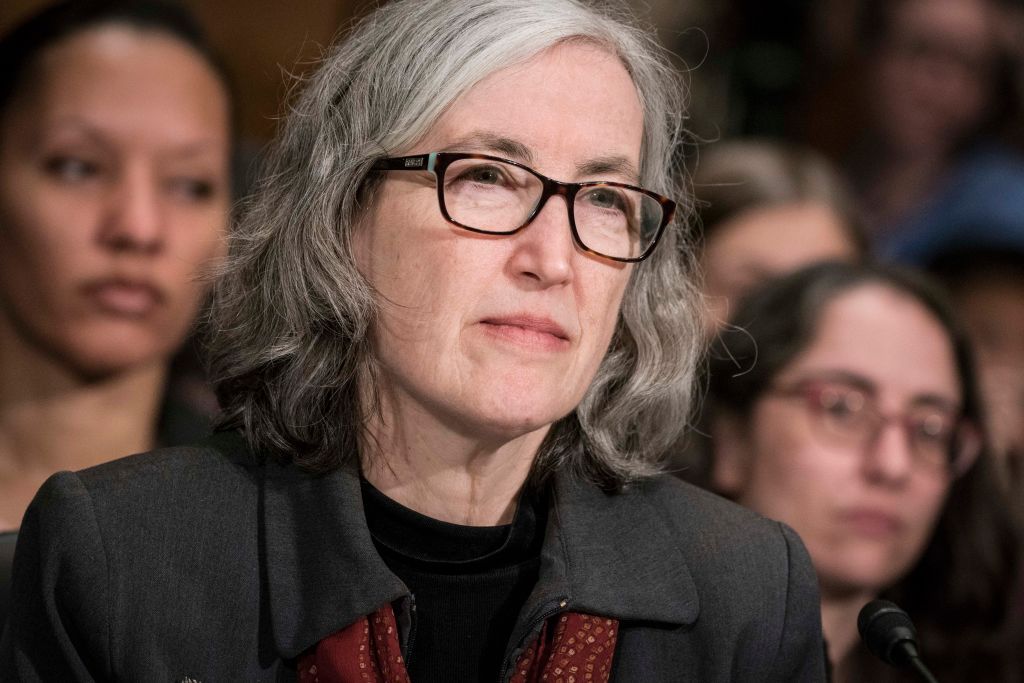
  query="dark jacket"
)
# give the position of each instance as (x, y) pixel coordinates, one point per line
(180, 423)
(200, 563)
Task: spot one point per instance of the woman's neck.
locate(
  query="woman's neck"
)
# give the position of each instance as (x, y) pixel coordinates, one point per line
(839, 625)
(438, 471)
(53, 419)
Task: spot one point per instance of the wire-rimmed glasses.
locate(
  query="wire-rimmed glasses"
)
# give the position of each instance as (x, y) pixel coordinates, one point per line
(495, 196)
(845, 414)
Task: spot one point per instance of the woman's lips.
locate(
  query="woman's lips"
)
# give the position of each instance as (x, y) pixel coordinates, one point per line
(127, 298)
(872, 522)
(532, 332)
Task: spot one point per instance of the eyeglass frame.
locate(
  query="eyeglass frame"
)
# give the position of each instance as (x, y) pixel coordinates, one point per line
(438, 162)
(955, 465)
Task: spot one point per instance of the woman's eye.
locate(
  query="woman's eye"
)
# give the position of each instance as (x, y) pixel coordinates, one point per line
(603, 198)
(485, 175)
(193, 189)
(841, 405)
(71, 169)
(482, 174)
(932, 427)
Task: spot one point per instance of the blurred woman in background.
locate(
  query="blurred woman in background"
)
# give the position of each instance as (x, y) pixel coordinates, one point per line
(940, 97)
(767, 208)
(114, 193)
(859, 425)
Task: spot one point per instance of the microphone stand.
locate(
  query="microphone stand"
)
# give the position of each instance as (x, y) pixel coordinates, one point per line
(917, 665)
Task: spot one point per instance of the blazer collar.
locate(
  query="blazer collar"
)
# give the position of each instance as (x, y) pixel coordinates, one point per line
(611, 555)
(621, 558)
(322, 570)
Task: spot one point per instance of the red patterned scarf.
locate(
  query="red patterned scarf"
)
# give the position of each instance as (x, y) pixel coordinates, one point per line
(570, 647)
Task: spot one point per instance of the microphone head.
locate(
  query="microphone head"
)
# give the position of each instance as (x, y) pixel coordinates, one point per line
(888, 632)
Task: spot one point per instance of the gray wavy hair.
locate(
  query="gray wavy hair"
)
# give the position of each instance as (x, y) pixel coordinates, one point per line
(290, 325)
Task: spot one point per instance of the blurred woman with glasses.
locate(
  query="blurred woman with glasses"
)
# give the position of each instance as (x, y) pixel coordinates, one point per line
(844, 404)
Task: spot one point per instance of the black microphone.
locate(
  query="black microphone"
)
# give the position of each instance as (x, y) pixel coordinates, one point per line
(890, 636)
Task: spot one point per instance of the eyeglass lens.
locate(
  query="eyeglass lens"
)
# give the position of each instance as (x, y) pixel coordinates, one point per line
(933, 433)
(492, 196)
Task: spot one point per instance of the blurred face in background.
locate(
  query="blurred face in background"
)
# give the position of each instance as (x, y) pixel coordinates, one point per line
(933, 73)
(114, 195)
(766, 242)
(865, 508)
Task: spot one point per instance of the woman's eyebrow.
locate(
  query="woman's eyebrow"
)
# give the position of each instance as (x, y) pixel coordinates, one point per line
(192, 150)
(613, 164)
(501, 145)
(73, 124)
(186, 148)
(936, 401)
(842, 377)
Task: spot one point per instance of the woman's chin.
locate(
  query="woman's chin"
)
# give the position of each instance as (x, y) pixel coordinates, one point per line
(97, 361)
(861, 575)
(505, 424)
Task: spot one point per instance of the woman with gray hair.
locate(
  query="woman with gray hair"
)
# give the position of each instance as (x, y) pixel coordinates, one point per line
(446, 379)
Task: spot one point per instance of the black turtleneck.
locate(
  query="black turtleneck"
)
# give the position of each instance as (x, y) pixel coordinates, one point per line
(469, 583)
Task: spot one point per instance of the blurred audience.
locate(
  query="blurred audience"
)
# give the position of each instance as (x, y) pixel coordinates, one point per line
(939, 93)
(844, 404)
(987, 288)
(767, 208)
(115, 139)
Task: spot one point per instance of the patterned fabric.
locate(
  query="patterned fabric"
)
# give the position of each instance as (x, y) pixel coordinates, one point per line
(580, 651)
(368, 650)
(571, 648)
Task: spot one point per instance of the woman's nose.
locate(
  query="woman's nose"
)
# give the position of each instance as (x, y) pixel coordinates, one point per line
(544, 250)
(133, 218)
(889, 458)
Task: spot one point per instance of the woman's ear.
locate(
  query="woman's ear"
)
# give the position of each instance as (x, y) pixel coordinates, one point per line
(730, 461)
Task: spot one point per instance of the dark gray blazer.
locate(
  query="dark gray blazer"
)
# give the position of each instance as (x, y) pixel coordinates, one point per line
(202, 564)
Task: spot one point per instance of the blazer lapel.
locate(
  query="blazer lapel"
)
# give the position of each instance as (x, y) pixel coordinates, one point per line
(322, 570)
(620, 558)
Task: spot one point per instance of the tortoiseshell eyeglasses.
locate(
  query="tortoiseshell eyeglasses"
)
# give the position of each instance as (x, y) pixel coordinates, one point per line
(496, 196)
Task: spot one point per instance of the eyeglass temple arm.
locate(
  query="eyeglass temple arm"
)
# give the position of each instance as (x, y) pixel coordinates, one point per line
(416, 162)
